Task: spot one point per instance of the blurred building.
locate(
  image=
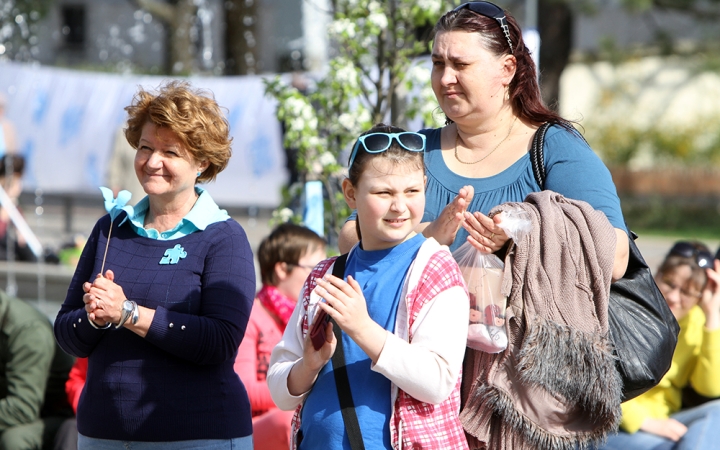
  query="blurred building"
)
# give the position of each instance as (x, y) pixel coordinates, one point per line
(281, 35)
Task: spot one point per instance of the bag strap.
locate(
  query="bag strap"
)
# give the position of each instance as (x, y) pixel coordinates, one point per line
(537, 157)
(342, 383)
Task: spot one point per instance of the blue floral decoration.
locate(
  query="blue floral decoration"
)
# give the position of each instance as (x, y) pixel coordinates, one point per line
(114, 206)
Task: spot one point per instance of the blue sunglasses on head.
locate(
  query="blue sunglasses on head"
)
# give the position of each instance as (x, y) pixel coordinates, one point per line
(380, 142)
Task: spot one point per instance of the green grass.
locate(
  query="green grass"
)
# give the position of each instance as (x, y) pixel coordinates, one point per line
(687, 234)
(674, 217)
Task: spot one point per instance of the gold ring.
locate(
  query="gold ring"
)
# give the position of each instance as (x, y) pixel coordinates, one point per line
(492, 235)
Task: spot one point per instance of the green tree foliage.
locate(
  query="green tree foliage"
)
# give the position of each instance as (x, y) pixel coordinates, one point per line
(688, 145)
(18, 27)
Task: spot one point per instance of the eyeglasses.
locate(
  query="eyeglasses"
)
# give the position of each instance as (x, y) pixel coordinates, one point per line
(668, 284)
(303, 266)
(380, 142)
(704, 259)
(492, 11)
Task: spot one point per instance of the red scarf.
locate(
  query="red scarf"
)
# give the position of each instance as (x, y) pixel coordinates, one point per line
(276, 303)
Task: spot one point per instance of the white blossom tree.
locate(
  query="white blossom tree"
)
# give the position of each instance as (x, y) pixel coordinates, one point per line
(374, 66)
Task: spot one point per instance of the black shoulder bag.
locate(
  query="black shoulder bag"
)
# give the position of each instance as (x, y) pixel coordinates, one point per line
(642, 327)
(342, 383)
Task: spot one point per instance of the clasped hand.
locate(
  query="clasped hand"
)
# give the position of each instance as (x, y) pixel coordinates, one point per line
(484, 233)
(103, 299)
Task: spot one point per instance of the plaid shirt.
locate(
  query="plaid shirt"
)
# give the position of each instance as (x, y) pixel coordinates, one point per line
(414, 424)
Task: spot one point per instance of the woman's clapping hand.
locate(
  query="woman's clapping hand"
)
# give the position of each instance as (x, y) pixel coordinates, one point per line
(446, 226)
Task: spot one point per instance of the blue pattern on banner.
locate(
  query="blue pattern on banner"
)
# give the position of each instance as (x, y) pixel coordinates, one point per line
(27, 150)
(236, 113)
(39, 107)
(70, 123)
(261, 160)
(91, 170)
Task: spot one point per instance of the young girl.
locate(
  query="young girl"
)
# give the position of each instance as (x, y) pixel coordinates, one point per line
(403, 312)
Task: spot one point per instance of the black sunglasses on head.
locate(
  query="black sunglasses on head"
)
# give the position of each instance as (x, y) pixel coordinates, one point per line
(492, 11)
(704, 259)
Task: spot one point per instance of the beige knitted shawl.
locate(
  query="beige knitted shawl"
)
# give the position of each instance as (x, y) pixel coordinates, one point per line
(556, 386)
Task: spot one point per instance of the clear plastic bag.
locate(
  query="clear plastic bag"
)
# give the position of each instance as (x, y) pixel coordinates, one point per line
(483, 274)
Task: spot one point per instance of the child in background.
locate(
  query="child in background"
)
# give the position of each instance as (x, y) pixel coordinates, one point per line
(403, 312)
(689, 279)
(286, 257)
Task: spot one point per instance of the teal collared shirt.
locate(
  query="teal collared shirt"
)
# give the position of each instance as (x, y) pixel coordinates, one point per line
(205, 212)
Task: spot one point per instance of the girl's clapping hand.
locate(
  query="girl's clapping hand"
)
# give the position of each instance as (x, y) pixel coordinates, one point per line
(345, 303)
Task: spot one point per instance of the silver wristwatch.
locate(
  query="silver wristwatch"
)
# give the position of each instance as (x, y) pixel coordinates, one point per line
(128, 307)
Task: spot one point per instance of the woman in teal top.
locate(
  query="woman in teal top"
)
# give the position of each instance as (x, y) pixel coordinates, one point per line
(485, 81)
(572, 168)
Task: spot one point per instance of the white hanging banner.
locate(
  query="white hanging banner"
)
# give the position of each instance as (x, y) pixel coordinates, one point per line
(66, 121)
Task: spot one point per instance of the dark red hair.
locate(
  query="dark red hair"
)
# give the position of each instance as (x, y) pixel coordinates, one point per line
(524, 90)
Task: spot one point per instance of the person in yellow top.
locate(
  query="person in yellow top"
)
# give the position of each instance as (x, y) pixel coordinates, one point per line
(689, 278)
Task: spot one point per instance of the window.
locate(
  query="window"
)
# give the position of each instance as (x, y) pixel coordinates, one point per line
(73, 27)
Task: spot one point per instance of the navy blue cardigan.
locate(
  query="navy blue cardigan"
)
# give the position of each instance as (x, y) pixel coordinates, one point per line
(178, 382)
